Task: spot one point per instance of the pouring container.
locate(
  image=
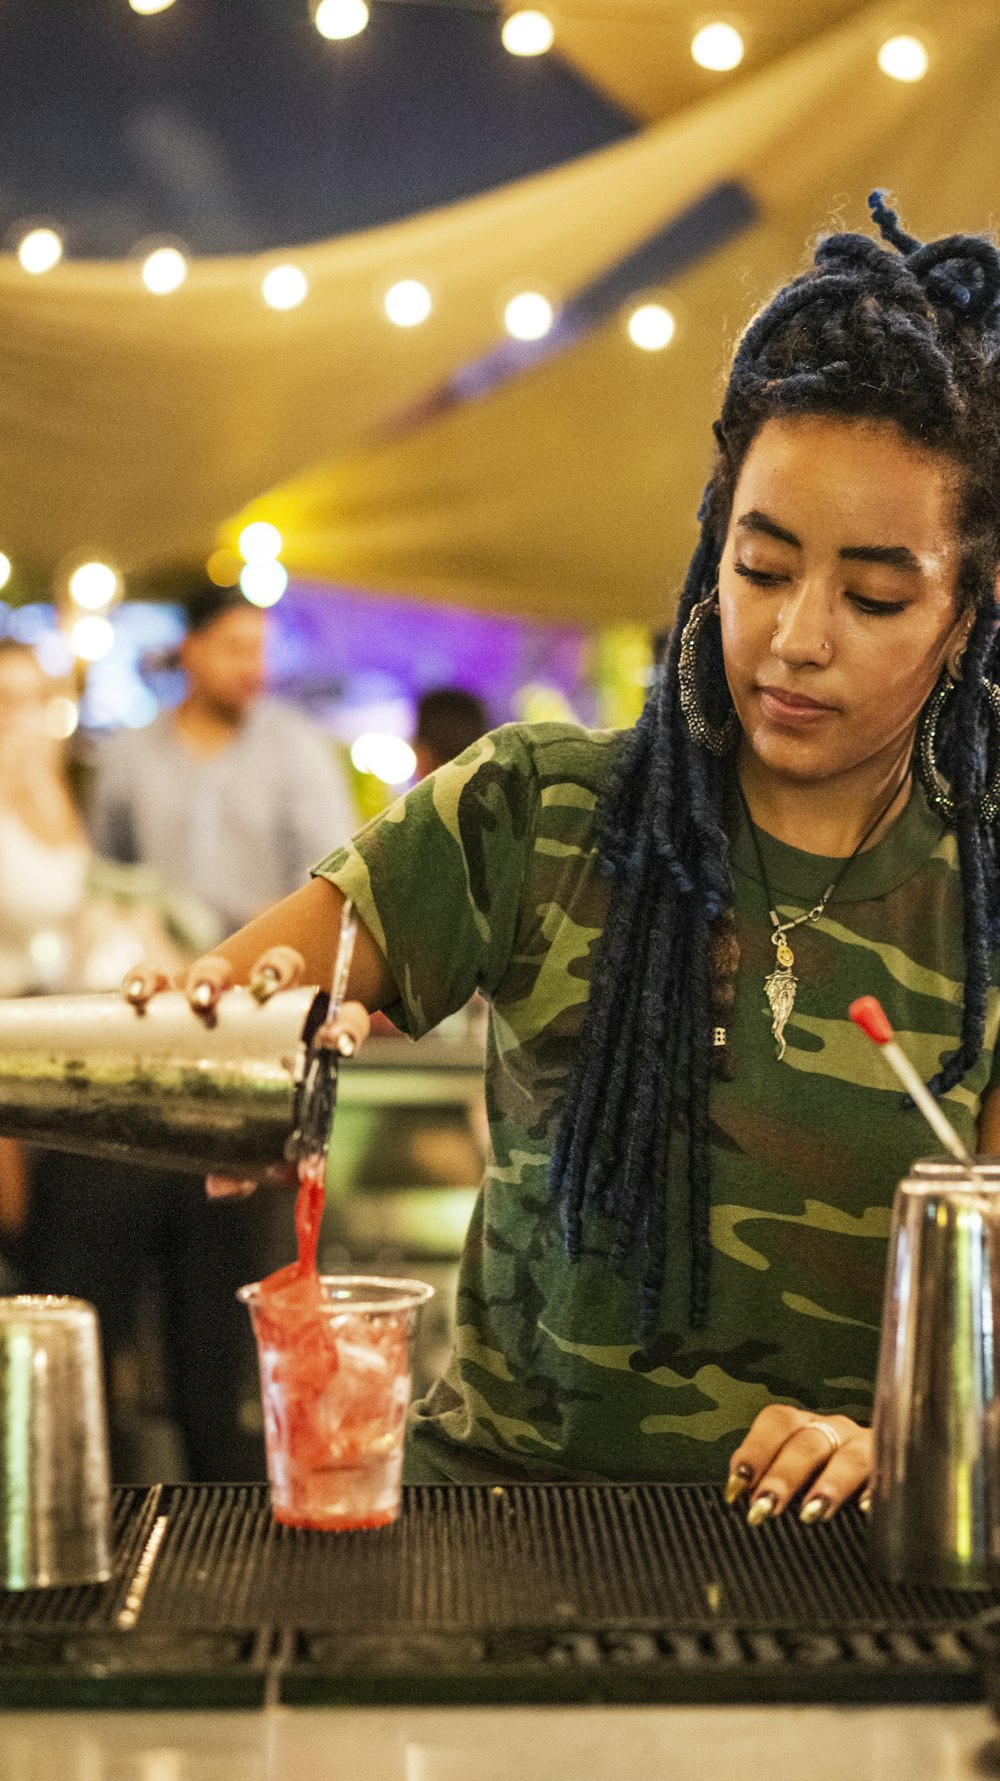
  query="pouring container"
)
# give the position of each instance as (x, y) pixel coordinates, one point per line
(163, 1085)
(936, 1477)
(55, 1524)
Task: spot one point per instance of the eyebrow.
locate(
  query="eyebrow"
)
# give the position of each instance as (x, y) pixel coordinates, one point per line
(891, 556)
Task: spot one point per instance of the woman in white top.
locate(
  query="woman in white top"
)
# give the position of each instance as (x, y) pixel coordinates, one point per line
(43, 865)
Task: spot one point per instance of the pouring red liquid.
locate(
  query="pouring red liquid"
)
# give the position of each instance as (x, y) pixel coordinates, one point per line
(309, 1204)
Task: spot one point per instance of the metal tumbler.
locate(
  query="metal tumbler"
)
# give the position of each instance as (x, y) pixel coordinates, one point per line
(936, 1480)
(163, 1085)
(55, 1519)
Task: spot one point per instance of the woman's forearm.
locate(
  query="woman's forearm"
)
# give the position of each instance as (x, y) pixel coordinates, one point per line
(309, 922)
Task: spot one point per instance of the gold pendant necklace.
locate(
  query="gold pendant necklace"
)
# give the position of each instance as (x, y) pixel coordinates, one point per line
(781, 985)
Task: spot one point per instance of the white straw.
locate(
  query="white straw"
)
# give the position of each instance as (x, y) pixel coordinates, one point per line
(917, 1090)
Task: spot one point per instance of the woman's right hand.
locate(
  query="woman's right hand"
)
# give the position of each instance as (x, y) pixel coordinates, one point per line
(280, 967)
(205, 982)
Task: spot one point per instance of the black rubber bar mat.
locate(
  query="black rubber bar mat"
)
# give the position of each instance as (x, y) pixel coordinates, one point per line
(551, 1593)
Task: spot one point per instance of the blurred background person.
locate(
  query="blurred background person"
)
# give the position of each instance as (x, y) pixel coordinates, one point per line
(61, 927)
(448, 720)
(43, 867)
(231, 796)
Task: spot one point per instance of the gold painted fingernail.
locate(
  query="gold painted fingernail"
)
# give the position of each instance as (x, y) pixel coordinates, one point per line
(203, 995)
(264, 984)
(761, 1508)
(739, 1480)
(346, 1045)
(865, 1503)
(136, 987)
(814, 1509)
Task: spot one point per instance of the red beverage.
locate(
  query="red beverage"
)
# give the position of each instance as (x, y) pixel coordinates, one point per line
(334, 1359)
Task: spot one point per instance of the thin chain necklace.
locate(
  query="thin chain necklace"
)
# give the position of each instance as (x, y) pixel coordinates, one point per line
(781, 986)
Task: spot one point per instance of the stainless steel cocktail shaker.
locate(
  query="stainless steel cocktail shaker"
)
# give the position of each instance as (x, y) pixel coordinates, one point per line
(55, 1494)
(94, 1075)
(936, 1481)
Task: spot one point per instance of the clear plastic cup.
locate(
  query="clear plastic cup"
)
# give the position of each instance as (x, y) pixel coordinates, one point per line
(335, 1385)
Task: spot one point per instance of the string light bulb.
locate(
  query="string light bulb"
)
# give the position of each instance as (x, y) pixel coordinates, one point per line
(718, 47)
(92, 637)
(263, 581)
(337, 20)
(40, 250)
(260, 541)
(407, 303)
(93, 586)
(146, 8)
(164, 270)
(223, 567)
(528, 33)
(903, 58)
(651, 327)
(388, 758)
(285, 287)
(528, 316)
(6, 569)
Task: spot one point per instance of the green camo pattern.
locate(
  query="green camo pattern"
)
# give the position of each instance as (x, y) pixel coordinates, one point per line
(485, 877)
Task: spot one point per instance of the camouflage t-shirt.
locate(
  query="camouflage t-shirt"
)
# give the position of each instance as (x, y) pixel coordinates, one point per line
(486, 877)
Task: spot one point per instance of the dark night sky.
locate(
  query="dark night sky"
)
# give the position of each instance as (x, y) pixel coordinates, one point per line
(233, 126)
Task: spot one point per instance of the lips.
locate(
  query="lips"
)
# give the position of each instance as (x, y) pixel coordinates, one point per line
(791, 708)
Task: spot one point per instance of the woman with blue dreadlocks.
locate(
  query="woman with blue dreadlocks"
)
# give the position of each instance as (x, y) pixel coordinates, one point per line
(675, 1265)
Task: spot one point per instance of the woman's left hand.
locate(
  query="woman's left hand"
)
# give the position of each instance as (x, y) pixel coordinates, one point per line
(788, 1451)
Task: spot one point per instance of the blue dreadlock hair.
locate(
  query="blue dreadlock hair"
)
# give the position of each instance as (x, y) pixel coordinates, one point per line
(910, 336)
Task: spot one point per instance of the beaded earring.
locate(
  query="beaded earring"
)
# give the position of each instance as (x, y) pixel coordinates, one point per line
(937, 787)
(716, 738)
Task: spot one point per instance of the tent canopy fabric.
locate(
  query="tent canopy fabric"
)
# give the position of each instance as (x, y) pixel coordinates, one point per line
(142, 429)
(638, 51)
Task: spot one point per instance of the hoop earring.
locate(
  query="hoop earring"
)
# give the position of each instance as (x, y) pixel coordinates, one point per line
(936, 786)
(716, 738)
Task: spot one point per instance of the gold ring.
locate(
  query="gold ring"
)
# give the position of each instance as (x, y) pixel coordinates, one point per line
(830, 1433)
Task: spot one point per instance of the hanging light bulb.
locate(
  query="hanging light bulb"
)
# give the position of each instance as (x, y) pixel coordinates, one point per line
(91, 638)
(408, 303)
(651, 327)
(40, 250)
(263, 581)
(285, 287)
(527, 33)
(146, 8)
(223, 568)
(93, 586)
(259, 541)
(5, 569)
(903, 58)
(339, 19)
(389, 758)
(718, 47)
(528, 316)
(164, 270)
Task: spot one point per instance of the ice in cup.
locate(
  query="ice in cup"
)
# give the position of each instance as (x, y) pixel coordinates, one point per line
(334, 1354)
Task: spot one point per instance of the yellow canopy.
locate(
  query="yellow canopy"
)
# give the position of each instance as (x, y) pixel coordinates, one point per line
(638, 51)
(135, 426)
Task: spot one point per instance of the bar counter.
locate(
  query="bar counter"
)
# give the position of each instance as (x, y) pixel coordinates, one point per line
(506, 1744)
(523, 1630)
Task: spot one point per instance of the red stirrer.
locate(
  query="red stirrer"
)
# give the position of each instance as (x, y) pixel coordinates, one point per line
(868, 1014)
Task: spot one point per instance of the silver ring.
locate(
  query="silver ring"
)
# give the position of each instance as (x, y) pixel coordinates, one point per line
(830, 1433)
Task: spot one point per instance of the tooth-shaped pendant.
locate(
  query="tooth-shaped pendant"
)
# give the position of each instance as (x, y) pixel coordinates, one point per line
(780, 990)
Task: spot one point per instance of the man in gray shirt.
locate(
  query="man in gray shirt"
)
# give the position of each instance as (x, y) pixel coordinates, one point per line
(231, 797)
